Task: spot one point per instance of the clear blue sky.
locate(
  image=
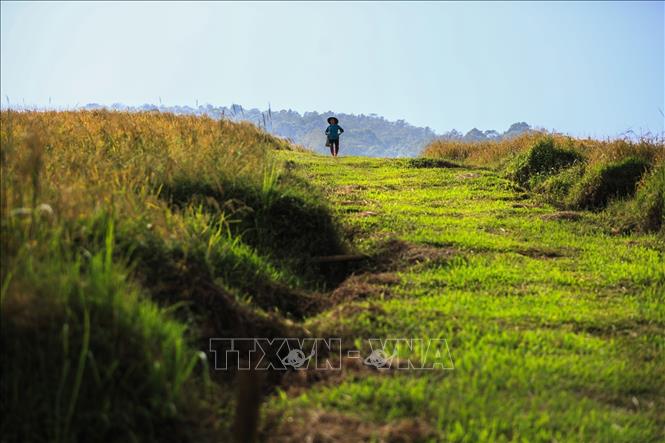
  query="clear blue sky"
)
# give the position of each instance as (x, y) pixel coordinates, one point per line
(583, 68)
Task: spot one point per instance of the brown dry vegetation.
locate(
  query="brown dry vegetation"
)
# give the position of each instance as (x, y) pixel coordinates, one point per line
(127, 240)
(79, 161)
(497, 152)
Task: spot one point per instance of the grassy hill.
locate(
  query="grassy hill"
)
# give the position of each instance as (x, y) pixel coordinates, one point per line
(366, 135)
(554, 324)
(128, 240)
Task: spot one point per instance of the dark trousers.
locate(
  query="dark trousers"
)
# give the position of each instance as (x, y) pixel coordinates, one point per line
(334, 146)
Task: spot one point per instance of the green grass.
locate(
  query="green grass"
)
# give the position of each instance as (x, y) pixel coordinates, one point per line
(544, 158)
(556, 328)
(645, 212)
(85, 356)
(574, 173)
(128, 240)
(610, 181)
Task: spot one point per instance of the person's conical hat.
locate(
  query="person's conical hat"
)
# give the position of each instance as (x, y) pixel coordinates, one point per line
(330, 120)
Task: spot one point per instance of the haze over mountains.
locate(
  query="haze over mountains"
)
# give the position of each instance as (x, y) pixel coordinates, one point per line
(369, 135)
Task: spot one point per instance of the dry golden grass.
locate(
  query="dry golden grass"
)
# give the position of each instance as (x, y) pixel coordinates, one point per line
(79, 161)
(93, 243)
(497, 152)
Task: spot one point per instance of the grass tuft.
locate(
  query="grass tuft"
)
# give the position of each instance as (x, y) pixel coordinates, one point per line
(542, 159)
(104, 362)
(645, 212)
(606, 182)
(572, 173)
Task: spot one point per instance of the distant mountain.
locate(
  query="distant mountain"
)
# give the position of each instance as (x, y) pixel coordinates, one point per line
(370, 135)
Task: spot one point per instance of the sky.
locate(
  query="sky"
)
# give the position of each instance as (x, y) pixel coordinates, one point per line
(588, 69)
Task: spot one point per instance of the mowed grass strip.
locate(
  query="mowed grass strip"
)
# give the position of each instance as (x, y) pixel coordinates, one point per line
(556, 327)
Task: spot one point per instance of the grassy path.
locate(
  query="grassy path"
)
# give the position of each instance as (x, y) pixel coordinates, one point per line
(556, 329)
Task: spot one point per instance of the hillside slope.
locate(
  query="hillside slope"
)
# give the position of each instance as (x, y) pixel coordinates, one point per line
(367, 135)
(130, 240)
(555, 327)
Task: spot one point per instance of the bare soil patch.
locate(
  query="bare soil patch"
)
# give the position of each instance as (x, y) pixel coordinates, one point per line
(562, 215)
(331, 427)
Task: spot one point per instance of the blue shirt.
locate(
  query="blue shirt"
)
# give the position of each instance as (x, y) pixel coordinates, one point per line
(333, 132)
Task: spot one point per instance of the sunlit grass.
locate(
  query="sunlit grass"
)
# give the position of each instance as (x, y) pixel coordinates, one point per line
(498, 152)
(571, 173)
(129, 239)
(116, 230)
(555, 326)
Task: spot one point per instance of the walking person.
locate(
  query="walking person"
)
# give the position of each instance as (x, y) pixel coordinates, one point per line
(333, 132)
